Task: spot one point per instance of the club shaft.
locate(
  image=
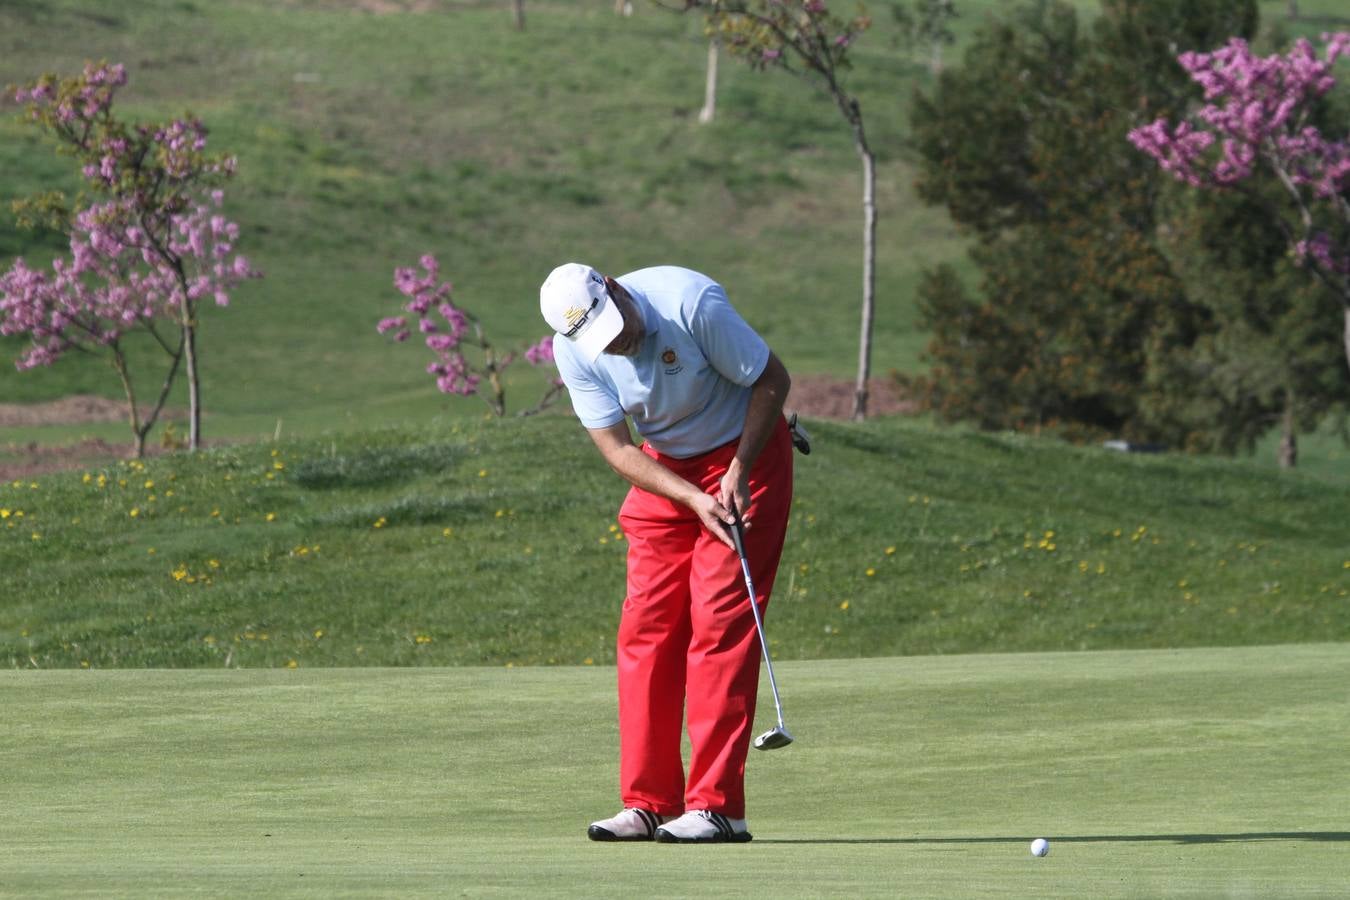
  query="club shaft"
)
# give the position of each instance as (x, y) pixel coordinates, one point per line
(759, 629)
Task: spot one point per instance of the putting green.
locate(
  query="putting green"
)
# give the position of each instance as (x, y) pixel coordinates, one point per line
(1171, 773)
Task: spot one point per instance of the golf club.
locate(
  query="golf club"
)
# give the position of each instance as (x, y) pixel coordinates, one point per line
(779, 736)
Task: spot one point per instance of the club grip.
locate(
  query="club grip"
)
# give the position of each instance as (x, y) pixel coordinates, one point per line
(737, 535)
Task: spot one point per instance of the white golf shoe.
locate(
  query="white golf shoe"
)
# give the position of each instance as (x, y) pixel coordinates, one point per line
(701, 826)
(631, 824)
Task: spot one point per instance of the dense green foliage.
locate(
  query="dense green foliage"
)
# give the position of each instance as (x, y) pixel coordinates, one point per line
(1098, 312)
(494, 542)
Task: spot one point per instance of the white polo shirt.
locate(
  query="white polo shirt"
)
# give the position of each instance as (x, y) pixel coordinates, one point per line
(688, 387)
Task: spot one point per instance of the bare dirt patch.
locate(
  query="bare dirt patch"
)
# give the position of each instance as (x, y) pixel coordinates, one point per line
(77, 409)
(822, 397)
(29, 459)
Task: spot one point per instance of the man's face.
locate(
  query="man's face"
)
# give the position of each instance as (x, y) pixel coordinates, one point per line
(629, 340)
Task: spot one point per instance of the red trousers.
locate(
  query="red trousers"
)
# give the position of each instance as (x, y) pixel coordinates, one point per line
(687, 641)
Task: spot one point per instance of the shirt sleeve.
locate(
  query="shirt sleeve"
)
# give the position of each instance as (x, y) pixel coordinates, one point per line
(731, 346)
(595, 405)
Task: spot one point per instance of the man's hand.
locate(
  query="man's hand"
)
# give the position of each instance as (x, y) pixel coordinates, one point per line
(734, 491)
(715, 517)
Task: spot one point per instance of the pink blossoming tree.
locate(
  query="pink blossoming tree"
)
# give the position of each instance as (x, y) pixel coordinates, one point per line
(1256, 121)
(450, 330)
(143, 255)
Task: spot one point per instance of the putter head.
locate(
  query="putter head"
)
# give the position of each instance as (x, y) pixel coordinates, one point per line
(773, 739)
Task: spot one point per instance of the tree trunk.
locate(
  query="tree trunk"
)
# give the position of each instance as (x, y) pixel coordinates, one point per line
(869, 265)
(709, 110)
(138, 433)
(518, 10)
(193, 378)
(1347, 334)
(1288, 453)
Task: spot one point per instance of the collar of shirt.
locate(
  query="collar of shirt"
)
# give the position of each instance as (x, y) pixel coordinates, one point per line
(651, 322)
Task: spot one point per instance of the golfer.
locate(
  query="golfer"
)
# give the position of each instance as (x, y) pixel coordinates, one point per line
(664, 347)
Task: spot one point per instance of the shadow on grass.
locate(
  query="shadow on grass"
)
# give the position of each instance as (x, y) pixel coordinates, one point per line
(1240, 837)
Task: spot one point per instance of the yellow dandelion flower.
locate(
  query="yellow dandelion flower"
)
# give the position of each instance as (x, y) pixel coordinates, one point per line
(271, 517)
(135, 512)
(588, 661)
(292, 664)
(501, 513)
(1101, 568)
(279, 466)
(871, 572)
(213, 563)
(37, 536)
(844, 605)
(149, 484)
(482, 473)
(380, 522)
(447, 532)
(890, 551)
(613, 528)
(88, 478)
(150, 551)
(318, 634)
(4, 514)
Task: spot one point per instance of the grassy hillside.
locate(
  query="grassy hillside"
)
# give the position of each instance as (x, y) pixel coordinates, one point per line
(1202, 773)
(494, 542)
(367, 139)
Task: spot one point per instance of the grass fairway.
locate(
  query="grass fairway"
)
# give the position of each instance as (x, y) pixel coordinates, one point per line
(1153, 773)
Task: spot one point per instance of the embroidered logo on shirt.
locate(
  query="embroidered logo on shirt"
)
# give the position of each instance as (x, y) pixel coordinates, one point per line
(672, 361)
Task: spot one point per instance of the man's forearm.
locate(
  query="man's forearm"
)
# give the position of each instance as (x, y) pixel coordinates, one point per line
(766, 406)
(640, 470)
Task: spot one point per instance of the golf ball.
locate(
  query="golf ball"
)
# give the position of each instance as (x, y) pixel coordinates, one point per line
(1040, 847)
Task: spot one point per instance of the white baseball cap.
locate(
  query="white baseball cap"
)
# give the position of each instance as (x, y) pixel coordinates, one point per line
(577, 305)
